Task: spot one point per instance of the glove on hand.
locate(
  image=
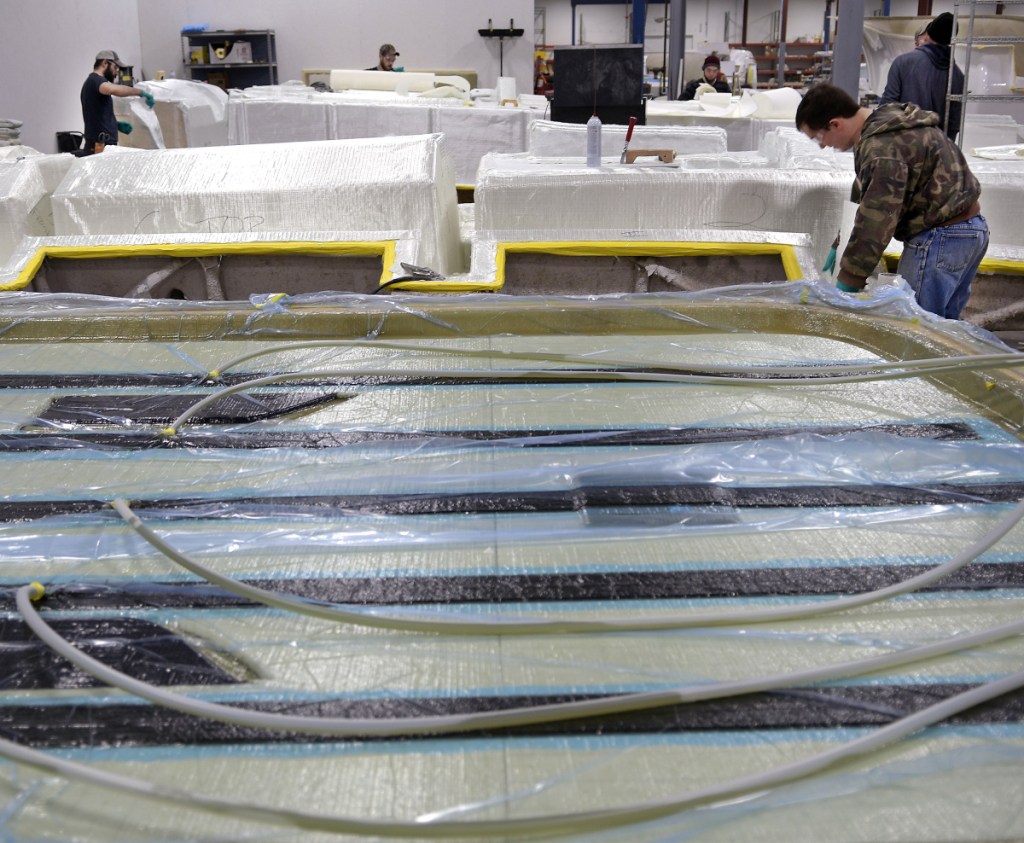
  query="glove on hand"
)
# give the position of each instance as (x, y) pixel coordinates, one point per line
(846, 288)
(148, 97)
(124, 127)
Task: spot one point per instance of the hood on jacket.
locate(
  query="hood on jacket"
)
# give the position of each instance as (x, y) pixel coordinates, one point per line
(894, 116)
(938, 54)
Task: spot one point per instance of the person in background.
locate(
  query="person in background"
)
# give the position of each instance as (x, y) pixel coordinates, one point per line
(912, 182)
(98, 106)
(712, 73)
(386, 57)
(921, 75)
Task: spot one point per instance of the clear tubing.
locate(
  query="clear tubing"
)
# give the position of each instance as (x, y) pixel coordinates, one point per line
(550, 824)
(588, 375)
(468, 625)
(1011, 359)
(529, 715)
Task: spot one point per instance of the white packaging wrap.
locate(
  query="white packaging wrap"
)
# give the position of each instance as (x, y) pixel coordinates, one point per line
(356, 185)
(519, 192)
(550, 138)
(23, 210)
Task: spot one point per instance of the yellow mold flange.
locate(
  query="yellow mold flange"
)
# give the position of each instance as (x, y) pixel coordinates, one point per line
(384, 248)
(639, 248)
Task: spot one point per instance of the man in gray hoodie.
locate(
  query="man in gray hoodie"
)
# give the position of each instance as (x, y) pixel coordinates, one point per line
(913, 184)
(921, 76)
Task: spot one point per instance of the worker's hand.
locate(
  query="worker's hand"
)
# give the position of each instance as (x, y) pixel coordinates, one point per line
(849, 283)
(124, 127)
(148, 97)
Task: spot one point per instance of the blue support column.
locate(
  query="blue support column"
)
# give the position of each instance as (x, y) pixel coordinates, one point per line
(639, 20)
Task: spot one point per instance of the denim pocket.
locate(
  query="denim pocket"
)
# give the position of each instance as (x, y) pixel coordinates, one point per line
(957, 248)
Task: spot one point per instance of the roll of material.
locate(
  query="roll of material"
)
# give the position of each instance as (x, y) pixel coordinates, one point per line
(379, 80)
(716, 100)
(777, 103)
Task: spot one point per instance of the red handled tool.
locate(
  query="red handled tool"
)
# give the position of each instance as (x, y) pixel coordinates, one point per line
(629, 134)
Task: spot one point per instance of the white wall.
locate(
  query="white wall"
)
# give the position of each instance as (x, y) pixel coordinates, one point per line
(347, 33)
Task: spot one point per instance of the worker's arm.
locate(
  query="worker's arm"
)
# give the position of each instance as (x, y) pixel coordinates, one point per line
(113, 90)
(881, 204)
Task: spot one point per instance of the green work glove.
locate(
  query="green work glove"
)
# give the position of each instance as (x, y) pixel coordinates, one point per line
(148, 97)
(846, 288)
(830, 261)
(124, 128)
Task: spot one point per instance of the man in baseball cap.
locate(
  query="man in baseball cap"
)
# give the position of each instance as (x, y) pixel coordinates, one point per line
(101, 127)
(386, 57)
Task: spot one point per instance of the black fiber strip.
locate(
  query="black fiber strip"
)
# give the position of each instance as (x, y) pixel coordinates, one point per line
(139, 648)
(533, 588)
(96, 725)
(121, 408)
(582, 499)
(55, 380)
(59, 440)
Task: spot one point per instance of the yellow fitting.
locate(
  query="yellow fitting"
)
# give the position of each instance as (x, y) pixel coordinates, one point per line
(168, 431)
(36, 591)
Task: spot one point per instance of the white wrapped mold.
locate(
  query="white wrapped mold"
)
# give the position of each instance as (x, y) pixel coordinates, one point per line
(548, 138)
(23, 209)
(518, 191)
(351, 185)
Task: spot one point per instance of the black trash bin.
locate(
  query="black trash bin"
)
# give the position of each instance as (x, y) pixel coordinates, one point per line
(69, 141)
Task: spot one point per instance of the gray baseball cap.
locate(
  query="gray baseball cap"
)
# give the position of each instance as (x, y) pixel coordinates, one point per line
(110, 55)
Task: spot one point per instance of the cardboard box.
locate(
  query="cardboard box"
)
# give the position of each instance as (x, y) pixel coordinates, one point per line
(218, 78)
(240, 52)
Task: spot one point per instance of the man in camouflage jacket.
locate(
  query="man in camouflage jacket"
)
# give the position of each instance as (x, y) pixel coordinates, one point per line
(913, 184)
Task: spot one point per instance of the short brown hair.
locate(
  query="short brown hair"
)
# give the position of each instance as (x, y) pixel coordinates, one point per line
(821, 104)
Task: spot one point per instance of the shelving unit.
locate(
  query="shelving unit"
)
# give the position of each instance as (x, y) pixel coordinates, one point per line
(799, 59)
(201, 45)
(969, 41)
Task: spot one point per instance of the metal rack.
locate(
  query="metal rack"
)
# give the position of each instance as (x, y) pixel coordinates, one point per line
(969, 43)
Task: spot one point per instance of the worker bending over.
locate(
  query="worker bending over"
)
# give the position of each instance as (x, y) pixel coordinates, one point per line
(912, 183)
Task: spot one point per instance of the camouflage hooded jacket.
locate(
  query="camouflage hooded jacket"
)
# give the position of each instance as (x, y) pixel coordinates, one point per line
(910, 178)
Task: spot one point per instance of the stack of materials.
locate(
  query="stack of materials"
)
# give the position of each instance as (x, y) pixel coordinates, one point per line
(10, 132)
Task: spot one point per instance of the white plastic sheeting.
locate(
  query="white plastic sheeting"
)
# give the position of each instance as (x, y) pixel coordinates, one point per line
(23, 210)
(186, 114)
(292, 113)
(518, 192)
(353, 185)
(458, 496)
(550, 138)
(744, 130)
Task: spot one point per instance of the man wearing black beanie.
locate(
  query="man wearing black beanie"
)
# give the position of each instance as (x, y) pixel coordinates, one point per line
(921, 76)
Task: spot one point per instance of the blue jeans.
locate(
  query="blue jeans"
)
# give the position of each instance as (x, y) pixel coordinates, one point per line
(939, 264)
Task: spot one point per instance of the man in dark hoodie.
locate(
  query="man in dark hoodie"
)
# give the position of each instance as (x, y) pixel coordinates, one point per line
(921, 76)
(912, 183)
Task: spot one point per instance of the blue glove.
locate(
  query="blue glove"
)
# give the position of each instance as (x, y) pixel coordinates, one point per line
(148, 97)
(124, 127)
(846, 288)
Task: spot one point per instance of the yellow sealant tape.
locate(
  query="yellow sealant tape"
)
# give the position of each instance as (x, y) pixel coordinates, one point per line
(652, 248)
(989, 266)
(384, 248)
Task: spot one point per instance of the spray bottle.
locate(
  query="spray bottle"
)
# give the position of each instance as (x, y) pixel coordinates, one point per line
(594, 141)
